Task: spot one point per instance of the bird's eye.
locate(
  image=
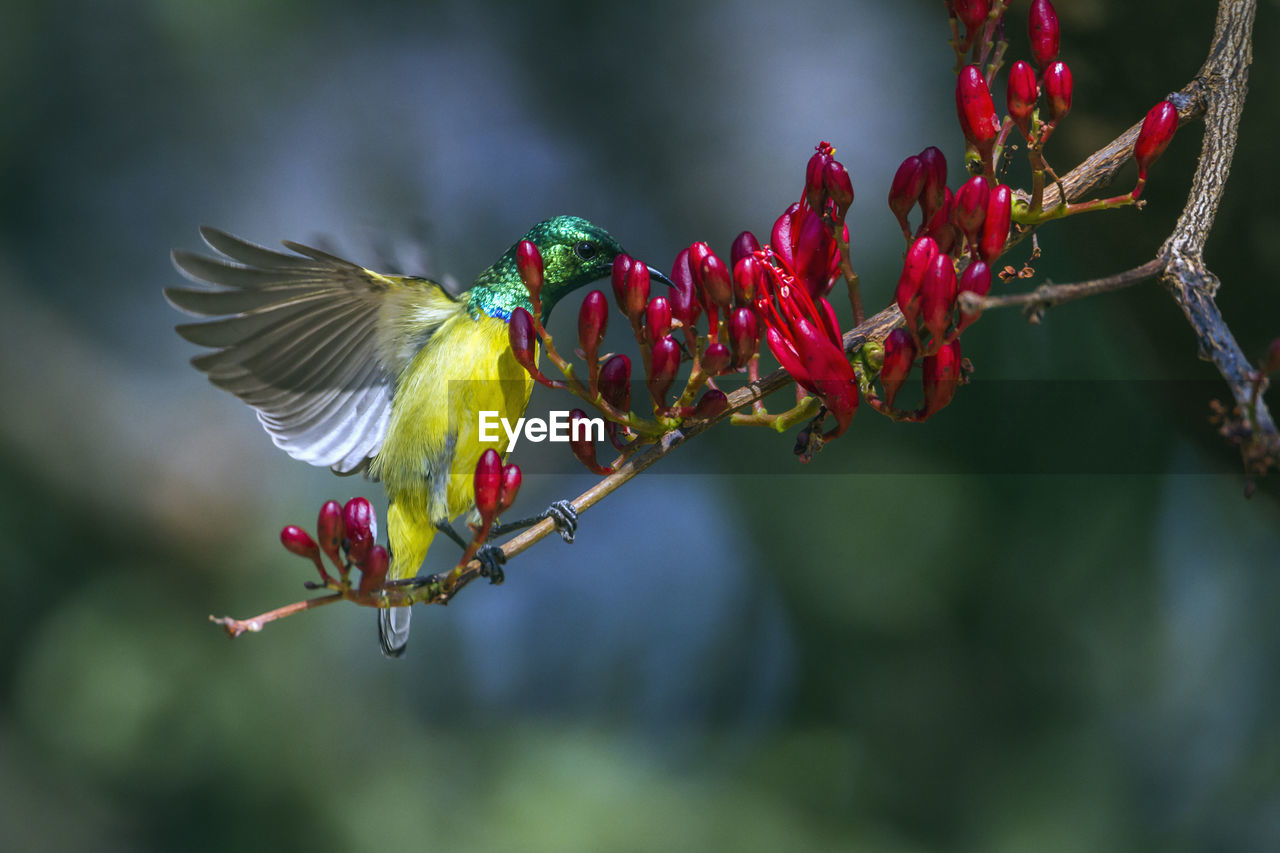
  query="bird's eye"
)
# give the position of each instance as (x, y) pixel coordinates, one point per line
(584, 250)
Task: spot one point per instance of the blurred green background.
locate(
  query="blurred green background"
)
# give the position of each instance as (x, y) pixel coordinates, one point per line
(1043, 621)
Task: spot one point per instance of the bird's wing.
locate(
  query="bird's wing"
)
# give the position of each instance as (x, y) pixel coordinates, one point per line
(314, 343)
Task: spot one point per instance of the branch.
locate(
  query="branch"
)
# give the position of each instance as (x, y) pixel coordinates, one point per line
(1048, 294)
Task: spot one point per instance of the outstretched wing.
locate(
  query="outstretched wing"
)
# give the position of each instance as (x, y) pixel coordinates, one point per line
(314, 343)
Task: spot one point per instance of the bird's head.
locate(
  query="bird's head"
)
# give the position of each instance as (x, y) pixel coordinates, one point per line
(575, 253)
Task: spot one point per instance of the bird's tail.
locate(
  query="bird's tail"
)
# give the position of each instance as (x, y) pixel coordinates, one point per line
(409, 535)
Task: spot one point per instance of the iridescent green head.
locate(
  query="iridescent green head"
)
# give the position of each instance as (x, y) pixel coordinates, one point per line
(574, 253)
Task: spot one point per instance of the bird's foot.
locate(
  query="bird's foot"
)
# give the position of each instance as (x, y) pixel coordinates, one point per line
(492, 558)
(566, 519)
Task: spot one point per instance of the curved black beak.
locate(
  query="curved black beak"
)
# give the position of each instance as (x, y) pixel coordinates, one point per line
(654, 275)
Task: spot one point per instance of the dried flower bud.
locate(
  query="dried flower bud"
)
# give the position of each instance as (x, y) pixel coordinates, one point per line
(298, 541)
(899, 355)
(1157, 131)
(1042, 27)
(593, 319)
(511, 479)
(743, 245)
(716, 359)
(373, 571)
(1271, 361)
(938, 296)
(581, 443)
(904, 192)
(1022, 93)
(976, 110)
(362, 528)
(488, 485)
(976, 279)
(941, 375)
(330, 529)
(835, 177)
(995, 227)
(615, 382)
(683, 294)
(521, 335)
(1057, 90)
(657, 319)
(529, 265)
(935, 181)
(664, 361)
(970, 207)
(744, 336)
(914, 266)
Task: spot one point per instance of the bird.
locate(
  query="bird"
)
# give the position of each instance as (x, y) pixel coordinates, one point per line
(381, 374)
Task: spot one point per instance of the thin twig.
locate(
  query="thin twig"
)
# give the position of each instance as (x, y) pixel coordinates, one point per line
(1048, 294)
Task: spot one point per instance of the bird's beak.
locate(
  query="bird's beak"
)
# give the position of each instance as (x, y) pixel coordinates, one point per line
(654, 275)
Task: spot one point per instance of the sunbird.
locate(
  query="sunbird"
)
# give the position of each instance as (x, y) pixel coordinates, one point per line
(384, 375)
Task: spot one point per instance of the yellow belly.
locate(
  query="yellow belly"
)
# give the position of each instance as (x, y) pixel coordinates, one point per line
(432, 445)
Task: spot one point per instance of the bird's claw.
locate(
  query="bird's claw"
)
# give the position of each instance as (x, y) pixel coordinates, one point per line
(566, 519)
(492, 558)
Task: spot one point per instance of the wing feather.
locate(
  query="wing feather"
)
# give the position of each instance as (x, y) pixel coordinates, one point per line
(311, 341)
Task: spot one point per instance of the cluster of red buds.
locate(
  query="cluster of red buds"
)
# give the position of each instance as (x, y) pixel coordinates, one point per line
(347, 537)
(1038, 98)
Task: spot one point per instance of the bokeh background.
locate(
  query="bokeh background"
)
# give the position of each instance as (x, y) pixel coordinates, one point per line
(1043, 621)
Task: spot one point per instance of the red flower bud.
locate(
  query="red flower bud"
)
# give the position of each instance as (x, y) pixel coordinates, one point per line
(593, 319)
(529, 265)
(748, 279)
(657, 319)
(940, 228)
(1057, 90)
(664, 361)
(521, 335)
(712, 403)
(976, 110)
(995, 226)
(973, 14)
(815, 191)
(511, 479)
(970, 207)
(1022, 93)
(298, 541)
(615, 382)
(373, 571)
(1042, 27)
(488, 485)
(630, 286)
(362, 528)
(713, 277)
(905, 190)
(835, 177)
(938, 296)
(330, 529)
(581, 443)
(941, 375)
(1157, 131)
(976, 278)
(744, 244)
(744, 336)
(914, 266)
(784, 234)
(813, 251)
(716, 359)
(935, 181)
(899, 355)
(683, 293)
